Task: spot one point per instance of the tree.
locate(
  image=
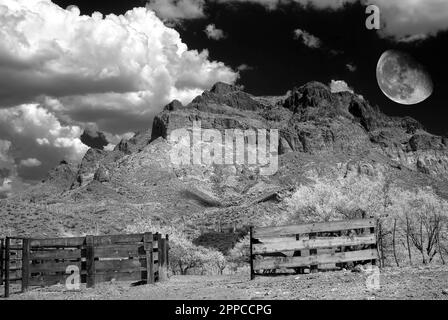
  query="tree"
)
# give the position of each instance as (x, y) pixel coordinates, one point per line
(183, 254)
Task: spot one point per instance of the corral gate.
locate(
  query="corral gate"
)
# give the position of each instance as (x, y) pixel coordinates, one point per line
(312, 246)
(46, 262)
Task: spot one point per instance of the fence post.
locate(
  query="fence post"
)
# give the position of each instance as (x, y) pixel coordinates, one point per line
(162, 258)
(314, 267)
(149, 247)
(167, 255)
(1, 261)
(90, 261)
(25, 264)
(7, 246)
(374, 246)
(252, 273)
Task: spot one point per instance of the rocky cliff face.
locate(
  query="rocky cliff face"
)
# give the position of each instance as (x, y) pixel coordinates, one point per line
(320, 133)
(313, 120)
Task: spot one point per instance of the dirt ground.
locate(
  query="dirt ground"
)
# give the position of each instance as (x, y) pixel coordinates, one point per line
(395, 283)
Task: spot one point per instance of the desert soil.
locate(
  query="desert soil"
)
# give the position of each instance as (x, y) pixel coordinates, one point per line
(395, 283)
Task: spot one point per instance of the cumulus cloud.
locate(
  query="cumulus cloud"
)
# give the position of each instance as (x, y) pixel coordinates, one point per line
(29, 124)
(414, 19)
(4, 150)
(7, 168)
(46, 50)
(307, 39)
(402, 18)
(214, 33)
(339, 86)
(30, 163)
(61, 71)
(5, 187)
(175, 10)
(36, 133)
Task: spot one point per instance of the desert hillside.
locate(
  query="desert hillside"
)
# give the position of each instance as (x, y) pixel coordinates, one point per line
(324, 138)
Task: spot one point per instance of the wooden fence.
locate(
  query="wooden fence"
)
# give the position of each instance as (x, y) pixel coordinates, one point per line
(46, 262)
(312, 246)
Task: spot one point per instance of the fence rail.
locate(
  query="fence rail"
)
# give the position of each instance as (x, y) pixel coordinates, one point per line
(45, 262)
(312, 246)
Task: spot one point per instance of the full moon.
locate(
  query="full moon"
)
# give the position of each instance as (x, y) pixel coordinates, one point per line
(402, 79)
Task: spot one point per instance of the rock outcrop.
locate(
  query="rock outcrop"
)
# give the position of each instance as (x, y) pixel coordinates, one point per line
(94, 139)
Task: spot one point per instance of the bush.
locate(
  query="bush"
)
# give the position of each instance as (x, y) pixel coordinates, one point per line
(336, 199)
(409, 221)
(183, 254)
(241, 252)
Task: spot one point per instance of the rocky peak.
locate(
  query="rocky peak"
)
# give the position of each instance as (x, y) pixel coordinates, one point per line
(94, 139)
(228, 95)
(222, 88)
(312, 94)
(62, 176)
(140, 139)
(173, 106)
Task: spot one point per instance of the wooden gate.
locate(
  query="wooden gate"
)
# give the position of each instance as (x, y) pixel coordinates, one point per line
(46, 262)
(311, 246)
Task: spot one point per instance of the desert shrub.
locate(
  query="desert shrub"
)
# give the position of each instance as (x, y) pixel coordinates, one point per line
(421, 218)
(184, 255)
(240, 253)
(409, 222)
(335, 199)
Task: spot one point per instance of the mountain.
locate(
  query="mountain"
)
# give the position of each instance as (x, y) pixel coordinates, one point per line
(319, 133)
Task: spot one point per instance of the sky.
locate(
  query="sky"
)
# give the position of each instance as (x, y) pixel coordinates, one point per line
(67, 65)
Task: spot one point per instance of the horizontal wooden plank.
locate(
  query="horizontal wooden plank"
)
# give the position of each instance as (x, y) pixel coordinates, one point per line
(120, 265)
(119, 251)
(118, 239)
(58, 242)
(292, 262)
(317, 243)
(15, 248)
(278, 239)
(330, 226)
(56, 254)
(53, 267)
(47, 280)
(120, 276)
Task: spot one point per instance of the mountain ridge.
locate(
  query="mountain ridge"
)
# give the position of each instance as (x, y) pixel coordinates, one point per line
(320, 133)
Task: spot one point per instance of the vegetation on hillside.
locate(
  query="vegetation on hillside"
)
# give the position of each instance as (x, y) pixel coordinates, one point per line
(412, 224)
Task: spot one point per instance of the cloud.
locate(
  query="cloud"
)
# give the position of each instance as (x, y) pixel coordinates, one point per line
(31, 162)
(214, 33)
(351, 67)
(35, 132)
(7, 168)
(274, 4)
(128, 63)
(244, 67)
(418, 18)
(4, 150)
(307, 39)
(339, 86)
(413, 38)
(402, 18)
(61, 71)
(5, 188)
(175, 10)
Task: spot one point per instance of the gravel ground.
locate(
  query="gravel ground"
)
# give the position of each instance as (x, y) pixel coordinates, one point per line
(395, 283)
